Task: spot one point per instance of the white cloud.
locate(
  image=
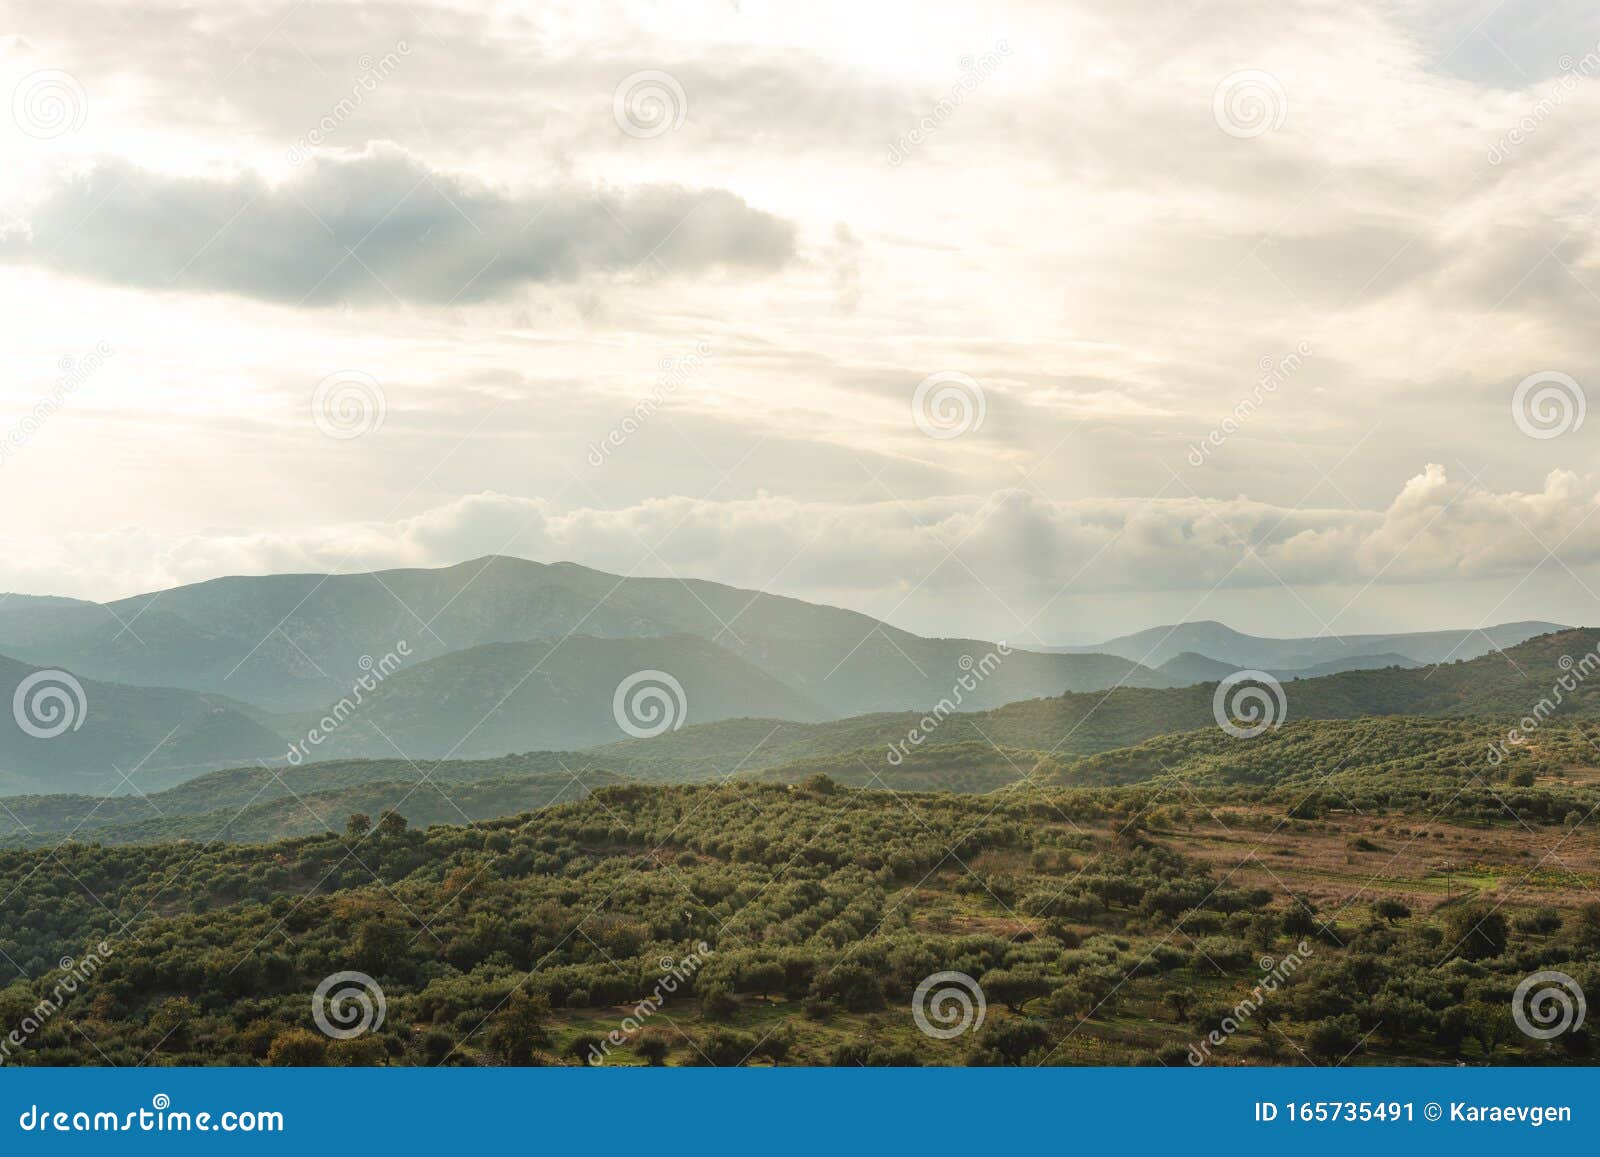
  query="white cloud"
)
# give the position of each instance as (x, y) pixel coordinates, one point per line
(1079, 235)
(1010, 547)
(377, 225)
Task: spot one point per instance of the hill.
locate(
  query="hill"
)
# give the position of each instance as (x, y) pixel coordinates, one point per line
(317, 812)
(218, 796)
(295, 642)
(1190, 667)
(1098, 925)
(156, 735)
(504, 697)
(964, 751)
(1159, 645)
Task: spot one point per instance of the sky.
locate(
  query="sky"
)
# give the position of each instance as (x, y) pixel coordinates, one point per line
(1033, 321)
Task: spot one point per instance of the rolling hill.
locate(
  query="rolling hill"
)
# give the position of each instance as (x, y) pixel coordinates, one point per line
(1147, 732)
(295, 642)
(159, 735)
(180, 814)
(505, 697)
(1190, 667)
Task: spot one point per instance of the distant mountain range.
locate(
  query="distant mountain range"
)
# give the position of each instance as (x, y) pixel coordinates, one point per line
(295, 642)
(1158, 646)
(502, 655)
(1079, 737)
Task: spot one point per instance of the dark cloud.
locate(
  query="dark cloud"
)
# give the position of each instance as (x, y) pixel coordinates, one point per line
(380, 225)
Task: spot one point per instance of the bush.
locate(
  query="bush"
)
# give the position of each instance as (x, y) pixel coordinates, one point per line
(298, 1048)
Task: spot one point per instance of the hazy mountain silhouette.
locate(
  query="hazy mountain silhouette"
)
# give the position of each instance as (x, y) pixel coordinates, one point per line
(295, 642)
(1158, 646)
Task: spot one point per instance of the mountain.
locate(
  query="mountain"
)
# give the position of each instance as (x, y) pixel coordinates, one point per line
(157, 735)
(505, 697)
(27, 618)
(1192, 668)
(1502, 687)
(1159, 645)
(297, 642)
(1148, 732)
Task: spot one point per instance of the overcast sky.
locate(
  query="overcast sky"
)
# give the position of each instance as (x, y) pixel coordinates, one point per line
(1037, 321)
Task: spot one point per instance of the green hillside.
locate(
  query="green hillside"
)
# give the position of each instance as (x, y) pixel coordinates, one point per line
(1100, 925)
(422, 802)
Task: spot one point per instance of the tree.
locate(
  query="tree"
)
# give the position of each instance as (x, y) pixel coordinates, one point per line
(1333, 1039)
(651, 1047)
(358, 1052)
(380, 945)
(717, 1003)
(725, 1048)
(1476, 931)
(1011, 1042)
(171, 1021)
(1014, 989)
(1180, 1000)
(1300, 919)
(1068, 1001)
(358, 825)
(1455, 1023)
(853, 986)
(587, 1049)
(1391, 910)
(1489, 1024)
(519, 1028)
(391, 823)
(766, 977)
(298, 1048)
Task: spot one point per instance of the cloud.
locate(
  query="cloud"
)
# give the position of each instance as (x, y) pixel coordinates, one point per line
(1011, 545)
(377, 226)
